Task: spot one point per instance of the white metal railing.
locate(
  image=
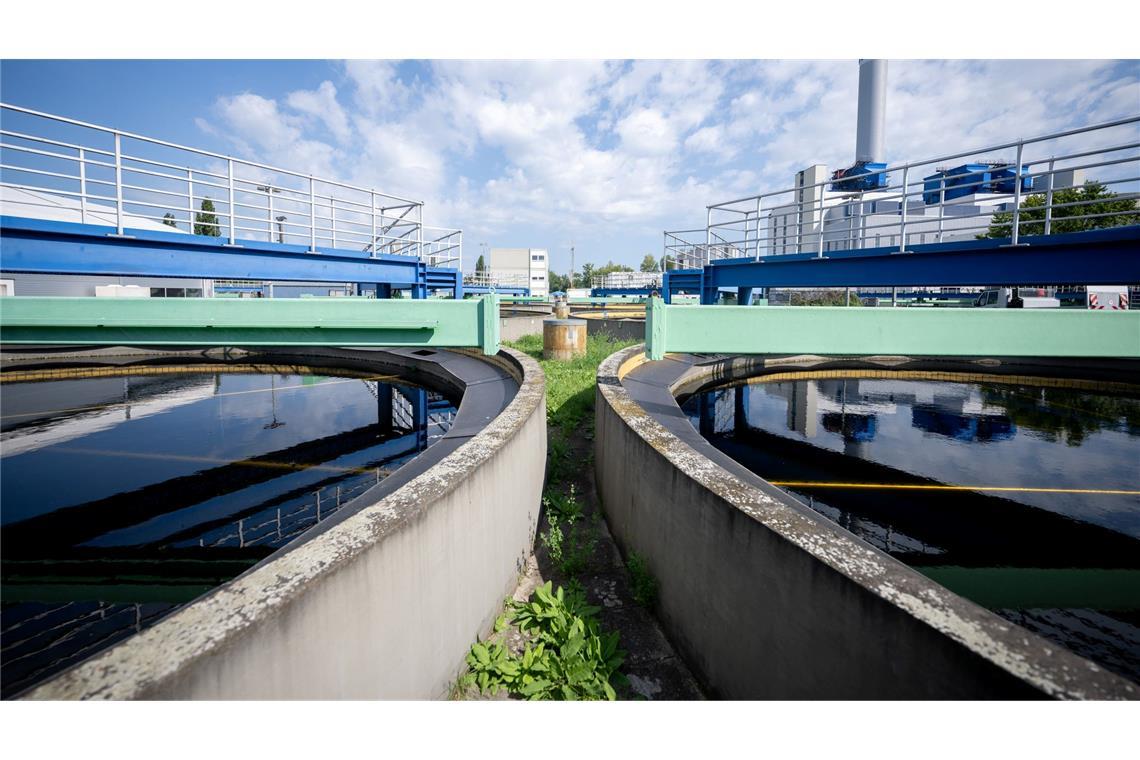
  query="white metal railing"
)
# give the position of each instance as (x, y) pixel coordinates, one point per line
(920, 203)
(59, 168)
(489, 278)
(637, 280)
(443, 247)
(688, 249)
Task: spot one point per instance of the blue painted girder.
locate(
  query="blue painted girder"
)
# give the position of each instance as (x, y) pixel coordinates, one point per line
(47, 247)
(1109, 256)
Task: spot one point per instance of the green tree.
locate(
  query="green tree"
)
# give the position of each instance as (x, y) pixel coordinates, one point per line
(649, 264)
(583, 280)
(480, 265)
(559, 282)
(206, 221)
(168, 220)
(823, 298)
(1093, 199)
(610, 266)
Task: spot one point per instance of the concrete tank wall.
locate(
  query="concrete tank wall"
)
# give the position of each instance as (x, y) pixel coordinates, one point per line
(765, 600)
(383, 605)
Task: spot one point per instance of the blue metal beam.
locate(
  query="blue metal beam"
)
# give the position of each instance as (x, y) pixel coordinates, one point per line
(1110, 256)
(46, 247)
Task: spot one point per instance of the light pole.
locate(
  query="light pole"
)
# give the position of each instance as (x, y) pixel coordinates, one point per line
(269, 190)
(280, 231)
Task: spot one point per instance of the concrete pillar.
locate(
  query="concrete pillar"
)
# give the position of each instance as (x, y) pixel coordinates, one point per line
(563, 339)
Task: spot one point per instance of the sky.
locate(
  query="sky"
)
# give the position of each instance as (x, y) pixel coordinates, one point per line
(604, 155)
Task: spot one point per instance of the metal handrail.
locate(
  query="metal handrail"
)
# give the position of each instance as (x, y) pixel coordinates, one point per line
(247, 197)
(813, 224)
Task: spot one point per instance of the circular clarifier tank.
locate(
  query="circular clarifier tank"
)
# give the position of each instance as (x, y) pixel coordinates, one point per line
(1017, 493)
(884, 526)
(132, 486)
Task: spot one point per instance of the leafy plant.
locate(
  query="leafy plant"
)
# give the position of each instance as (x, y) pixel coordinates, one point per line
(570, 550)
(566, 657)
(563, 506)
(642, 583)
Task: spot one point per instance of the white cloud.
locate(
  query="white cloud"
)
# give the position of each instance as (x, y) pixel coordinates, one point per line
(322, 105)
(646, 131)
(616, 150)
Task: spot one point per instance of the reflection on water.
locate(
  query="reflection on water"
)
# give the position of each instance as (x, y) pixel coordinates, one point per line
(1035, 533)
(127, 496)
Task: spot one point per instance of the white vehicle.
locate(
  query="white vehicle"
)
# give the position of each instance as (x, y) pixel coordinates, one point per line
(1015, 298)
(1107, 297)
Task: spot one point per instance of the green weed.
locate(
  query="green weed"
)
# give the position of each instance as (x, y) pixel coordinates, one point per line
(642, 583)
(570, 657)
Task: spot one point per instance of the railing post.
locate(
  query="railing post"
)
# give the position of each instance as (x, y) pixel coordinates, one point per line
(269, 192)
(372, 240)
(819, 251)
(1017, 194)
(759, 200)
(1049, 199)
(318, 495)
(190, 196)
(118, 185)
(902, 224)
(420, 234)
(708, 238)
(312, 215)
(82, 187)
(941, 203)
(332, 218)
(233, 215)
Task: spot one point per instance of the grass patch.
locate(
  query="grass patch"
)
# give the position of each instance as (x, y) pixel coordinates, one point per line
(565, 654)
(570, 384)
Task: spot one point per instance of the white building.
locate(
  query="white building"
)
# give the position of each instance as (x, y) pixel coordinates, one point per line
(873, 219)
(529, 265)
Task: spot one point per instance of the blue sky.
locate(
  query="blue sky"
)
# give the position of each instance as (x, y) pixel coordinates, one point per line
(606, 154)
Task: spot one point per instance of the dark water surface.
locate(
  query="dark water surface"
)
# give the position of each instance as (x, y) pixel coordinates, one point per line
(1058, 552)
(124, 497)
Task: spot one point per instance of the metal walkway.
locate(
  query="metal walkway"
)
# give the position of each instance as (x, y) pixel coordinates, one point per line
(1023, 215)
(82, 199)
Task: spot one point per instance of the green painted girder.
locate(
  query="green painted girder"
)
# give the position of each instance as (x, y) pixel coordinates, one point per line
(251, 322)
(878, 331)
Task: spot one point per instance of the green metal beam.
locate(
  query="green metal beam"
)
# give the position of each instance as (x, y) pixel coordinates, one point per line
(911, 332)
(251, 322)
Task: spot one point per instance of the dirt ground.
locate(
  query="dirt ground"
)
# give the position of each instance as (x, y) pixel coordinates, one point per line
(652, 667)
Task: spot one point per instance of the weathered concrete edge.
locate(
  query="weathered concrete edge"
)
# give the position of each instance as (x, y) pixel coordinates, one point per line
(152, 664)
(1014, 650)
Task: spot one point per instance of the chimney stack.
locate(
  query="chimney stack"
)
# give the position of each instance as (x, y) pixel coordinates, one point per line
(869, 136)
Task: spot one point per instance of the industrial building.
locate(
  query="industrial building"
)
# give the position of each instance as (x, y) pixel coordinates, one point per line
(527, 265)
